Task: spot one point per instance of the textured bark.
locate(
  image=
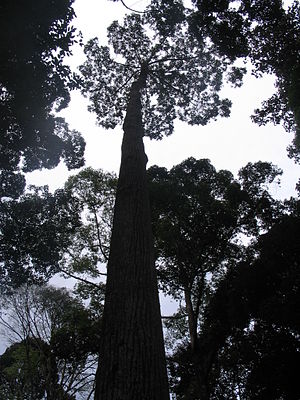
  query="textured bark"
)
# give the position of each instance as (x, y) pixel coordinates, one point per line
(192, 319)
(132, 360)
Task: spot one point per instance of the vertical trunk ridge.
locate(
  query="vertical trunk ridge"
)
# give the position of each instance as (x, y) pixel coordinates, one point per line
(132, 360)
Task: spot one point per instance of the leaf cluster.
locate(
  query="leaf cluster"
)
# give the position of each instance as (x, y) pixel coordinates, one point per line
(198, 213)
(31, 248)
(267, 34)
(250, 335)
(35, 82)
(182, 79)
(94, 191)
(57, 336)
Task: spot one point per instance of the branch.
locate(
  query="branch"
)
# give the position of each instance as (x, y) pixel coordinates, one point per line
(6, 325)
(173, 316)
(91, 393)
(200, 294)
(172, 59)
(125, 83)
(130, 9)
(81, 279)
(98, 234)
(165, 83)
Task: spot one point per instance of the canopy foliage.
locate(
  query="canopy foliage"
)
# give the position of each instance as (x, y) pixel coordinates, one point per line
(34, 84)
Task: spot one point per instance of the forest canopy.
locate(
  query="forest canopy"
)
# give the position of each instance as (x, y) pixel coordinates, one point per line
(222, 247)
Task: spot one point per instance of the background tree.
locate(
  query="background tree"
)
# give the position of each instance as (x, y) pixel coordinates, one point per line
(31, 248)
(94, 192)
(55, 341)
(34, 83)
(250, 324)
(68, 232)
(21, 374)
(199, 215)
(196, 221)
(86, 255)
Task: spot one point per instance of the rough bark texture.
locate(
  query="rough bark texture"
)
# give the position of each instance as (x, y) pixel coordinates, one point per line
(132, 360)
(192, 319)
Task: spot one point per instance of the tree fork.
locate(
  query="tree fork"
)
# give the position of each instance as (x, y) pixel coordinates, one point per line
(132, 359)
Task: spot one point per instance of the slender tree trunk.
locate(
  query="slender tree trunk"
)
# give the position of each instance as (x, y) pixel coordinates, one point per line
(132, 359)
(192, 319)
(203, 368)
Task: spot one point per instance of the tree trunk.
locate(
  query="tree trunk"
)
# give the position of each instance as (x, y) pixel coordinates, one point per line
(132, 359)
(192, 319)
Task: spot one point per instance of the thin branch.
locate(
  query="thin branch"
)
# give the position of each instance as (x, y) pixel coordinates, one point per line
(164, 59)
(91, 393)
(173, 316)
(98, 234)
(6, 325)
(162, 81)
(125, 83)
(73, 257)
(130, 9)
(156, 48)
(63, 373)
(81, 383)
(81, 279)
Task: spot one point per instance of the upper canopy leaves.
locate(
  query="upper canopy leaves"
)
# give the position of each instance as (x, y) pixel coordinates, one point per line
(267, 33)
(183, 79)
(35, 38)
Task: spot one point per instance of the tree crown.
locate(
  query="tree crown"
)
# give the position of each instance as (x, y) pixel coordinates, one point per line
(182, 79)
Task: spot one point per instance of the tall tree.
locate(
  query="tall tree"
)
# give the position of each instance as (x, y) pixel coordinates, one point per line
(196, 218)
(34, 82)
(94, 191)
(152, 79)
(21, 375)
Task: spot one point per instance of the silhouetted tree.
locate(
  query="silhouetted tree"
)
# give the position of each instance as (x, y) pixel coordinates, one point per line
(251, 325)
(31, 248)
(198, 214)
(153, 79)
(34, 83)
(267, 33)
(55, 345)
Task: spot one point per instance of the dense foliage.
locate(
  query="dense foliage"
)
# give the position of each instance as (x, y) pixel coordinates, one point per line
(31, 248)
(34, 83)
(243, 298)
(225, 249)
(182, 77)
(267, 33)
(235, 32)
(55, 345)
(250, 336)
(68, 231)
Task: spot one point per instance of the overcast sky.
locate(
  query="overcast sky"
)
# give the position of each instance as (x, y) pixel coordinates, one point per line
(229, 143)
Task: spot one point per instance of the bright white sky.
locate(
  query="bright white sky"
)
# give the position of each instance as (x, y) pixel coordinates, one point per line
(229, 143)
